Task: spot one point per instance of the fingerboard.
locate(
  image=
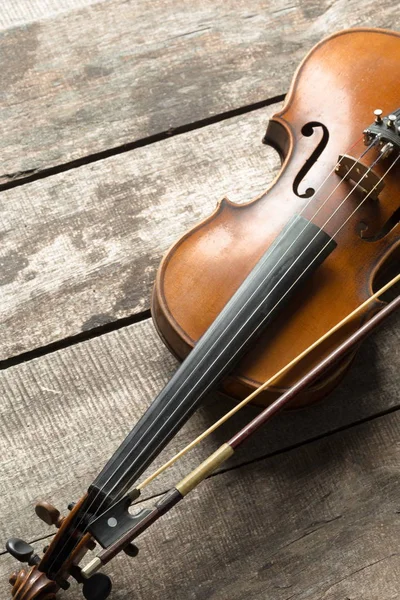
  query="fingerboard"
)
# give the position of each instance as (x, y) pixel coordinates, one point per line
(296, 253)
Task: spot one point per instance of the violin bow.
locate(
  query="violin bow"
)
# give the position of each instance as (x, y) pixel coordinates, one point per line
(226, 450)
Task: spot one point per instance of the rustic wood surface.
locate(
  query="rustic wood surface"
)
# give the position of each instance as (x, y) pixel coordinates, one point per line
(21, 12)
(70, 395)
(118, 72)
(309, 510)
(81, 248)
(317, 523)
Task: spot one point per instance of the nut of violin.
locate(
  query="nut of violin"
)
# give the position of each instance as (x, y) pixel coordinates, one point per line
(48, 513)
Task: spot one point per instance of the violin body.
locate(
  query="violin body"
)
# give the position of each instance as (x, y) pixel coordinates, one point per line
(343, 214)
(331, 101)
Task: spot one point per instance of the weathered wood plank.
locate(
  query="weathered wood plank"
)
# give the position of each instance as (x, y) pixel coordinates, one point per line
(20, 12)
(62, 416)
(81, 249)
(318, 523)
(120, 71)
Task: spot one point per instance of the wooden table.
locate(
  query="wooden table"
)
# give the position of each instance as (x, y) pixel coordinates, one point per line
(122, 124)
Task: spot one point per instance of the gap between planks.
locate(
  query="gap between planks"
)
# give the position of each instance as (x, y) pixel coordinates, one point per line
(117, 71)
(84, 336)
(22, 178)
(90, 260)
(59, 405)
(304, 524)
(223, 471)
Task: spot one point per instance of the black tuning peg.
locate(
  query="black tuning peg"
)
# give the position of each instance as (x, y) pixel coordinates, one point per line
(97, 587)
(131, 550)
(22, 551)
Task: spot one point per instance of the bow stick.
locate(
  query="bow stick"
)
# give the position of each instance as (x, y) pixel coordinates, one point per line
(267, 383)
(224, 452)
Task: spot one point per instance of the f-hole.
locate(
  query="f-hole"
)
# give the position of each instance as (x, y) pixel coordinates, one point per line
(308, 130)
(387, 271)
(386, 228)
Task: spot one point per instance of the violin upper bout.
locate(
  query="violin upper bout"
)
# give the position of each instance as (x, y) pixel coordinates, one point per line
(32, 584)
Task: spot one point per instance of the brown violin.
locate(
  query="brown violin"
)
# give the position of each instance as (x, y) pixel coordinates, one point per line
(324, 177)
(268, 300)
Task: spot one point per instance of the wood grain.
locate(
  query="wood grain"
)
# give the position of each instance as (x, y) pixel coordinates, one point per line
(62, 415)
(204, 269)
(21, 12)
(120, 71)
(317, 523)
(81, 249)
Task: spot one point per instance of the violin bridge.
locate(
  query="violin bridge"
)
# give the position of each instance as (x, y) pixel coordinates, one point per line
(365, 180)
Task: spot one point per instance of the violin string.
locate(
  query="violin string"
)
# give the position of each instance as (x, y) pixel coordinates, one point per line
(287, 250)
(207, 467)
(223, 419)
(245, 322)
(87, 511)
(265, 385)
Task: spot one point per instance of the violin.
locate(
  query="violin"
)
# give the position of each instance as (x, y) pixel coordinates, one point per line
(267, 300)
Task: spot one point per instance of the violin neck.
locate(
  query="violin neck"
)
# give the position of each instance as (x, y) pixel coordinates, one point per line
(295, 254)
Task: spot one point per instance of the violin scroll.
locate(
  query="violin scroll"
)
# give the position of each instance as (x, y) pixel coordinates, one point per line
(29, 584)
(32, 584)
(40, 580)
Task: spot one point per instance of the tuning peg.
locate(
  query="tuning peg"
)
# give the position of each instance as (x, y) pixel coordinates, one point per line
(22, 551)
(49, 514)
(131, 550)
(97, 587)
(378, 116)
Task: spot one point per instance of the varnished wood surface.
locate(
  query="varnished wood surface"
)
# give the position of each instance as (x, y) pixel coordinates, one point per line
(206, 266)
(80, 249)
